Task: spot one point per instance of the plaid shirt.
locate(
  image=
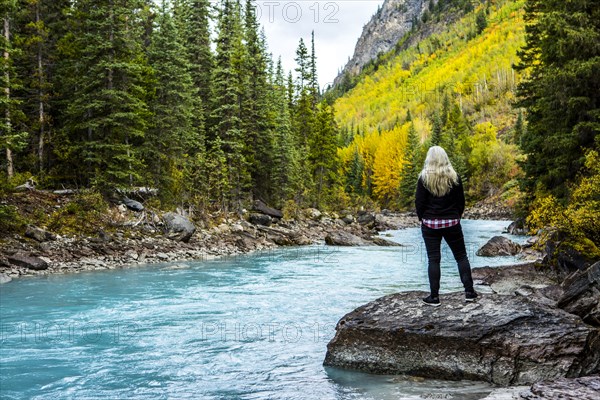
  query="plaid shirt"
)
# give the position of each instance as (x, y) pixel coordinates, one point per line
(440, 223)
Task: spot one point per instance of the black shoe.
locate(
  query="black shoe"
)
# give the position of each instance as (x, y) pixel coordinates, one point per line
(471, 296)
(432, 301)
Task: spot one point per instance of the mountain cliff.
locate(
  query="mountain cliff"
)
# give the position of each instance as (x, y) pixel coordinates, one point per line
(387, 26)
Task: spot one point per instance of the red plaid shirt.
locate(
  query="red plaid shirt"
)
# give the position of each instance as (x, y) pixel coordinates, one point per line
(440, 223)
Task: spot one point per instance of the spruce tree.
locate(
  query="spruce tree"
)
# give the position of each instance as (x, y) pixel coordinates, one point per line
(436, 133)
(40, 24)
(303, 68)
(193, 17)
(410, 169)
(174, 137)
(354, 177)
(561, 93)
(11, 136)
(257, 122)
(227, 138)
(313, 81)
(323, 153)
(104, 92)
(286, 169)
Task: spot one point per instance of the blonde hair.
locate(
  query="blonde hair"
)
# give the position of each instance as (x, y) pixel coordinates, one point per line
(438, 175)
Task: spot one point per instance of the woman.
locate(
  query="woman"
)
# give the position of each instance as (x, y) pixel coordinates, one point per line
(440, 202)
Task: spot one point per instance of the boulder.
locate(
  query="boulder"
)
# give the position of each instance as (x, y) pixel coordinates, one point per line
(260, 219)
(517, 227)
(312, 213)
(39, 234)
(178, 227)
(586, 388)
(4, 278)
(379, 241)
(34, 263)
(366, 218)
(342, 238)
(503, 340)
(264, 209)
(499, 246)
(581, 294)
(348, 219)
(133, 205)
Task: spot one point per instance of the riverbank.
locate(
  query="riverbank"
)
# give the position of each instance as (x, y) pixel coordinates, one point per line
(129, 246)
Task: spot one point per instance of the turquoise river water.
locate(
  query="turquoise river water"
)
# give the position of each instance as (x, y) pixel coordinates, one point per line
(250, 327)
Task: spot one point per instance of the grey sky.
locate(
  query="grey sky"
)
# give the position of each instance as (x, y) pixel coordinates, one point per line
(337, 25)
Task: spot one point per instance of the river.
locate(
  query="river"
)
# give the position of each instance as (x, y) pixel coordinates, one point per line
(250, 327)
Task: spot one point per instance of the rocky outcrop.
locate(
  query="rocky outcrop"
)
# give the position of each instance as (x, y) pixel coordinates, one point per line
(34, 263)
(504, 340)
(509, 278)
(581, 294)
(178, 227)
(342, 238)
(39, 234)
(499, 246)
(586, 388)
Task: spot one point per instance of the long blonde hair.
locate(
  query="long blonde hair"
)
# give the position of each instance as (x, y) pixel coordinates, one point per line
(438, 175)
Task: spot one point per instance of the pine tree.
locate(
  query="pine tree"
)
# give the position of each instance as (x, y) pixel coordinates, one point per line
(561, 93)
(410, 169)
(313, 81)
(286, 169)
(436, 133)
(11, 138)
(174, 137)
(193, 20)
(226, 118)
(355, 174)
(104, 92)
(257, 123)
(303, 68)
(41, 23)
(322, 153)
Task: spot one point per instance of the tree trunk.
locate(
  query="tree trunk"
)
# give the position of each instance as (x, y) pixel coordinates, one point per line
(9, 158)
(40, 95)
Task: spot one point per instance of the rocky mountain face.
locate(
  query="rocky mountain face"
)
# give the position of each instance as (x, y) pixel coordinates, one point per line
(391, 22)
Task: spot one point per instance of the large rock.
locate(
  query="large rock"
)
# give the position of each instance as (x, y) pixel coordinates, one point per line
(504, 340)
(313, 213)
(39, 234)
(517, 227)
(178, 227)
(28, 262)
(587, 388)
(264, 209)
(499, 246)
(581, 294)
(342, 238)
(133, 205)
(260, 219)
(379, 241)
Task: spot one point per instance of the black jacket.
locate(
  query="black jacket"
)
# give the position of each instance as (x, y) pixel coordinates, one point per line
(450, 206)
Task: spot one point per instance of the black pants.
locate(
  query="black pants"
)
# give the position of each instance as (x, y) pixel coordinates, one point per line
(456, 241)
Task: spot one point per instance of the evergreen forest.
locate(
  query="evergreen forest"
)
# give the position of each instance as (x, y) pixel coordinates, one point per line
(184, 96)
